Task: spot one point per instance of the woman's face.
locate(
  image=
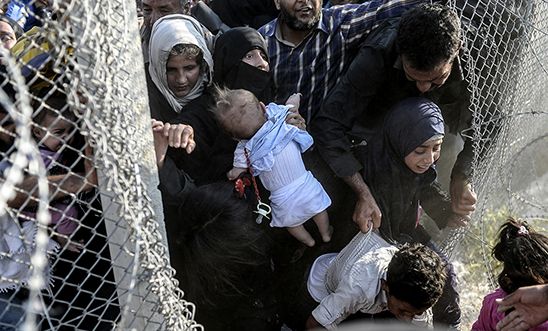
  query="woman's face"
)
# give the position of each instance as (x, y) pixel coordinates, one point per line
(257, 58)
(182, 74)
(424, 156)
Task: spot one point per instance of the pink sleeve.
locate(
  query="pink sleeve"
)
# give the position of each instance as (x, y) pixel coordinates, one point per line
(64, 218)
(488, 315)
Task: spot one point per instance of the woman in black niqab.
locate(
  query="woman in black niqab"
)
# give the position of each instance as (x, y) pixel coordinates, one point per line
(232, 72)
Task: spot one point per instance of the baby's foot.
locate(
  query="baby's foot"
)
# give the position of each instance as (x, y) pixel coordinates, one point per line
(327, 236)
(309, 242)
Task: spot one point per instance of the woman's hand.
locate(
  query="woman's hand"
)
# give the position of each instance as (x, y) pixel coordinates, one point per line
(296, 120)
(171, 135)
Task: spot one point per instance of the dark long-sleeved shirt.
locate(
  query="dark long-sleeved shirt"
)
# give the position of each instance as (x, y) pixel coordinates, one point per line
(374, 82)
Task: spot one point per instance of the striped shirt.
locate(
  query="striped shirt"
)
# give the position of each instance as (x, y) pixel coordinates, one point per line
(315, 65)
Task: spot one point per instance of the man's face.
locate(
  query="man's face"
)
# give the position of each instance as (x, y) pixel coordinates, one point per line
(299, 15)
(428, 80)
(155, 9)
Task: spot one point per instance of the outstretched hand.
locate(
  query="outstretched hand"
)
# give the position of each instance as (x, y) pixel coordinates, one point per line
(171, 135)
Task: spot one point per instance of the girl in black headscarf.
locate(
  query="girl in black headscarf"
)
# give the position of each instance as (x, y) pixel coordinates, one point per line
(241, 62)
(400, 170)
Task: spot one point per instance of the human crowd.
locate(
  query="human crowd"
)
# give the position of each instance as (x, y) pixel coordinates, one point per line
(266, 114)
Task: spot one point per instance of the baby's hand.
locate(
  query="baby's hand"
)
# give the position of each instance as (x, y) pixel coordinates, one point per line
(234, 173)
(295, 101)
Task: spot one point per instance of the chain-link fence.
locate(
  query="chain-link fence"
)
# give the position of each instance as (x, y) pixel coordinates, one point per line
(88, 253)
(506, 66)
(82, 242)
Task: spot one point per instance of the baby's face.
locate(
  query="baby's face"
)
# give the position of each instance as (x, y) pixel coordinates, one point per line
(244, 120)
(256, 118)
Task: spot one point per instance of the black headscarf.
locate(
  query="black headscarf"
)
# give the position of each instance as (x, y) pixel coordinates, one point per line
(229, 69)
(395, 187)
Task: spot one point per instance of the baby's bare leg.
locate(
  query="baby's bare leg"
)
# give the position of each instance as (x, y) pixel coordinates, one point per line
(302, 235)
(322, 221)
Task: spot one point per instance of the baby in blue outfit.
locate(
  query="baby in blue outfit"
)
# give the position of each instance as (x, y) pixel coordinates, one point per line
(272, 149)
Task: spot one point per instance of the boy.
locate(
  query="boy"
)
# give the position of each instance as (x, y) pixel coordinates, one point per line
(371, 276)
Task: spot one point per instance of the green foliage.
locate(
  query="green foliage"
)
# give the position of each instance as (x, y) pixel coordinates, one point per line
(475, 250)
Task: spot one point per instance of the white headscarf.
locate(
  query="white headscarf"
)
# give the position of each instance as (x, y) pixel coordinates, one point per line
(167, 32)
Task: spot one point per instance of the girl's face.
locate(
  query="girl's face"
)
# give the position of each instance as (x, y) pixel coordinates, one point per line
(424, 156)
(57, 131)
(182, 74)
(7, 35)
(257, 58)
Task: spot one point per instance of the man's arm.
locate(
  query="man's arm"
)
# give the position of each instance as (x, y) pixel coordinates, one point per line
(366, 211)
(358, 20)
(345, 104)
(437, 204)
(463, 197)
(348, 101)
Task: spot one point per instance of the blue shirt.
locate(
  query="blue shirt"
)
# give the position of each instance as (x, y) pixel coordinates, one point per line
(315, 65)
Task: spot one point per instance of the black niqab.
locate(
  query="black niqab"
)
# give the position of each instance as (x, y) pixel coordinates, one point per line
(229, 69)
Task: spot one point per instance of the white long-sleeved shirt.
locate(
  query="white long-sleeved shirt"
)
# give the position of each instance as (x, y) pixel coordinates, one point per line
(350, 281)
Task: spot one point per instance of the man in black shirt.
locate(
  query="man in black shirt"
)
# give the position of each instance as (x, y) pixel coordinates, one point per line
(415, 55)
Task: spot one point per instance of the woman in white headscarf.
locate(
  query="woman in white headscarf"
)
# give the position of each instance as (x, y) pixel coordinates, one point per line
(180, 67)
(179, 76)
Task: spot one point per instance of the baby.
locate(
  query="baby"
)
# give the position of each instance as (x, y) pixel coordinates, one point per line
(272, 150)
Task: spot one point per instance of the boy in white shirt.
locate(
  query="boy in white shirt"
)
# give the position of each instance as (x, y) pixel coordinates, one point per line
(371, 276)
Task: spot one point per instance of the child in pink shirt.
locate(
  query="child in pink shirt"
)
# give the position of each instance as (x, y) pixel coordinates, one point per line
(524, 255)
